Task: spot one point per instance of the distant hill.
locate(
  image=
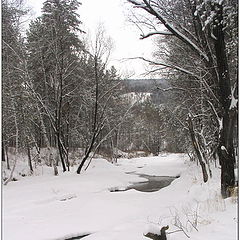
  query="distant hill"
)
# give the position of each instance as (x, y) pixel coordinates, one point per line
(144, 85)
(147, 86)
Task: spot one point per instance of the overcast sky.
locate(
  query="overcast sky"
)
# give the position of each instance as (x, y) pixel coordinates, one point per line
(113, 15)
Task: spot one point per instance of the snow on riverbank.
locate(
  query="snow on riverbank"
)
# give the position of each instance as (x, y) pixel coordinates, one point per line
(59, 207)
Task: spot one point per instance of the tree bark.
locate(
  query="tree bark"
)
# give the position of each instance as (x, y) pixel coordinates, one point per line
(7, 158)
(3, 153)
(59, 120)
(60, 150)
(225, 146)
(95, 129)
(89, 149)
(29, 159)
(197, 149)
(16, 147)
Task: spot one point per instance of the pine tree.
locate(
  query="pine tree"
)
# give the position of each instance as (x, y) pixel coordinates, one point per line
(13, 77)
(54, 48)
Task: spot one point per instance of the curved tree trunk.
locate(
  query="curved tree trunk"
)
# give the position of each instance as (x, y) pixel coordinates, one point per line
(197, 149)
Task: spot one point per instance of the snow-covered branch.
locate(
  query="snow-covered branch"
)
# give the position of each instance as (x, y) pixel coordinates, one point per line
(147, 6)
(217, 118)
(142, 36)
(136, 3)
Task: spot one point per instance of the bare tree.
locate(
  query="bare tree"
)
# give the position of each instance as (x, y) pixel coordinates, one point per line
(103, 91)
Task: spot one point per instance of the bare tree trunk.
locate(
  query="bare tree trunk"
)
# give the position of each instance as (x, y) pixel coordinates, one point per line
(44, 130)
(59, 122)
(117, 141)
(59, 109)
(112, 150)
(53, 162)
(88, 151)
(225, 146)
(197, 149)
(29, 159)
(60, 150)
(95, 119)
(7, 158)
(3, 153)
(13, 168)
(16, 150)
(67, 136)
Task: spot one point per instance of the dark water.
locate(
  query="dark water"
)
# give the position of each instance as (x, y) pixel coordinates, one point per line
(78, 237)
(153, 184)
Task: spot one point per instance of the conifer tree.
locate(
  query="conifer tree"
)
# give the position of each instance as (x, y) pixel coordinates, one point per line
(54, 48)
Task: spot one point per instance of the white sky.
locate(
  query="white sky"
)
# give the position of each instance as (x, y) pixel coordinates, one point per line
(113, 15)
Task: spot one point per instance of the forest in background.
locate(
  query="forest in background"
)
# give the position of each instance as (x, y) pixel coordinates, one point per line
(58, 91)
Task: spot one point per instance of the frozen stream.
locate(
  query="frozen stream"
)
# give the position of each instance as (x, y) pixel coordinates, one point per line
(70, 206)
(152, 183)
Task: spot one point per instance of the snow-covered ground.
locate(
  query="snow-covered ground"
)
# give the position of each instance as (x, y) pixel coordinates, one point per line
(48, 207)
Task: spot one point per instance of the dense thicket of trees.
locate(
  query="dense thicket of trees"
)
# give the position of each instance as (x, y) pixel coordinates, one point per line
(57, 92)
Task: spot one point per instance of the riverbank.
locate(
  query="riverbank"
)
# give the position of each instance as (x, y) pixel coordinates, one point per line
(59, 207)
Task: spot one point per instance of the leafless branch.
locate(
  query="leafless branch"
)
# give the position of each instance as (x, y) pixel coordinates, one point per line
(148, 6)
(166, 65)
